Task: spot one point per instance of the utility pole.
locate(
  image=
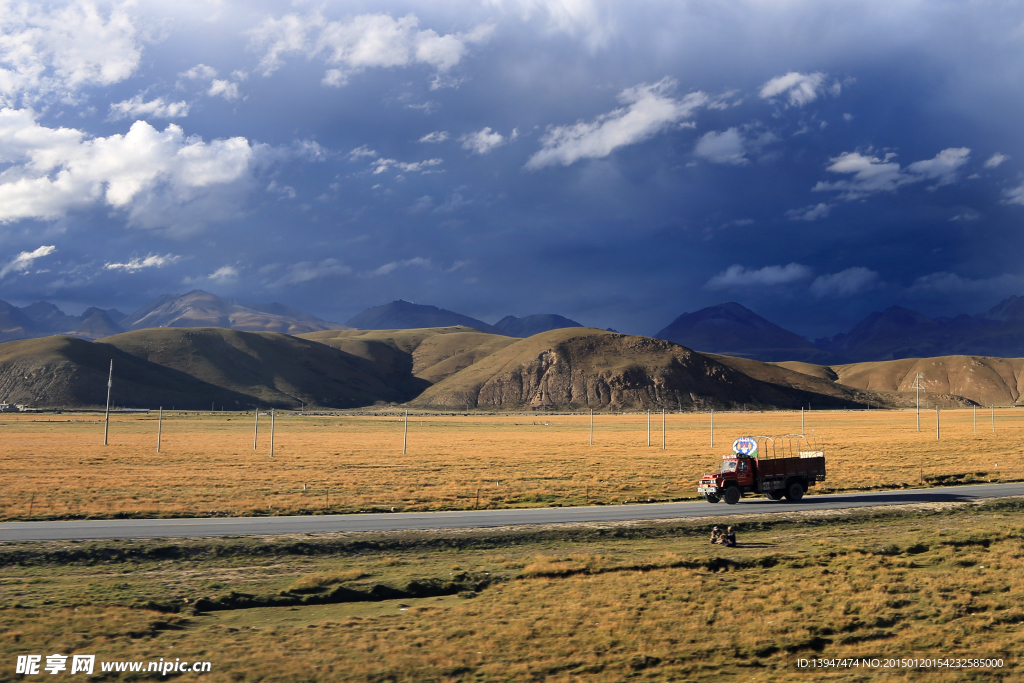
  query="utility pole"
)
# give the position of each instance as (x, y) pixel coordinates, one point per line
(271, 432)
(405, 436)
(648, 427)
(591, 426)
(712, 427)
(993, 418)
(106, 419)
(917, 385)
(975, 419)
(159, 428)
(936, 423)
(663, 428)
(256, 428)
(802, 430)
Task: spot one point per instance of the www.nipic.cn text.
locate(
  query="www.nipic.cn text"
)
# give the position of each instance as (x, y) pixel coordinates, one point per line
(31, 665)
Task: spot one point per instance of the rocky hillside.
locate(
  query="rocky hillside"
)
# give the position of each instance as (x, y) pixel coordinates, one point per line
(588, 368)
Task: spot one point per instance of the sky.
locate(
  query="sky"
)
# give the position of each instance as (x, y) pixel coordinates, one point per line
(619, 163)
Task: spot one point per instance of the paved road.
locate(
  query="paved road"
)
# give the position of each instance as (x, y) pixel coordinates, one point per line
(247, 526)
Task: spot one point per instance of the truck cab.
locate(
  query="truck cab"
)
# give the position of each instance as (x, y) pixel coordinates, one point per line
(754, 466)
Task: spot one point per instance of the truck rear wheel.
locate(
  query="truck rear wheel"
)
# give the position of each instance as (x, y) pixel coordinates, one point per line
(711, 498)
(732, 495)
(774, 495)
(795, 492)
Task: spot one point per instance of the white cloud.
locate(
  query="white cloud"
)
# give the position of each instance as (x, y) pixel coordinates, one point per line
(200, 72)
(57, 51)
(649, 109)
(312, 270)
(871, 175)
(381, 164)
(224, 274)
(24, 260)
(844, 283)
(1014, 195)
(360, 152)
(218, 87)
(389, 268)
(737, 276)
(361, 42)
(482, 141)
(995, 160)
(436, 136)
(160, 178)
(942, 167)
(135, 264)
(222, 88)
(809, 213)
(722, 148)
(157, 108)
(800, 88)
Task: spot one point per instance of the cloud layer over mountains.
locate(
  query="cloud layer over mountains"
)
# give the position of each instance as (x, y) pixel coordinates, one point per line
(615, 162)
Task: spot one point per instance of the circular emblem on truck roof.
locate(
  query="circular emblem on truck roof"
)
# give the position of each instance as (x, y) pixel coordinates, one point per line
(745, 445)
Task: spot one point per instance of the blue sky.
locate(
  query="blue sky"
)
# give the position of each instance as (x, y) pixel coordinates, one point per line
(617, 163)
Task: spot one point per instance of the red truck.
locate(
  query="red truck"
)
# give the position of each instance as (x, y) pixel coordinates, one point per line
(775, 466)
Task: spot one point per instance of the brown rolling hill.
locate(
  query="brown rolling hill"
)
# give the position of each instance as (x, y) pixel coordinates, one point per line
(415, 358)
(589, 368)
(64, 371)
(956, 380)
(268, 368)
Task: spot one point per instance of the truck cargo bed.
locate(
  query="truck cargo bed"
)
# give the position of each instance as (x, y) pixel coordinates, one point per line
(812, 469)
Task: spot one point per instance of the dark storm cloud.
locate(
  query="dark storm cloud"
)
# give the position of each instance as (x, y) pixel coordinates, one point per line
(617, 164)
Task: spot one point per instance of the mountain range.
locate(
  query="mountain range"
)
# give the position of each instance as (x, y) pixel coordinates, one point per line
(892, 334)
(727, 329)
(194, 309)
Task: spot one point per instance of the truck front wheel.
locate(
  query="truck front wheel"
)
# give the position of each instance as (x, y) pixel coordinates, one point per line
(732, 495)
(711, 498)
(795, 492)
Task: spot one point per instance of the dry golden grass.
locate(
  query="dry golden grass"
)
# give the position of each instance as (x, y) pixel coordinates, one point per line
(898, 585)
(56, 465)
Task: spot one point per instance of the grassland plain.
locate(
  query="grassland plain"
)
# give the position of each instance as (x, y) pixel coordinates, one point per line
(637, 601)
(56, 466)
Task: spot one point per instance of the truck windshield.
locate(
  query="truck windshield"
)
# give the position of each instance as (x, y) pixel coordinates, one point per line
(729, 466)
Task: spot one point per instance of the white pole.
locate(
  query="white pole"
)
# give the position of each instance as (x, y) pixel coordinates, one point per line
(993, 418)
(663, 428)
(256, 428)
(648, 426)
(106, 419)
(918, 405)
(802, 430)
(712, 427)
(405, 435)
(936, 423)
(271, 432)
(159, 428)
(975, 420)
(591, 426)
